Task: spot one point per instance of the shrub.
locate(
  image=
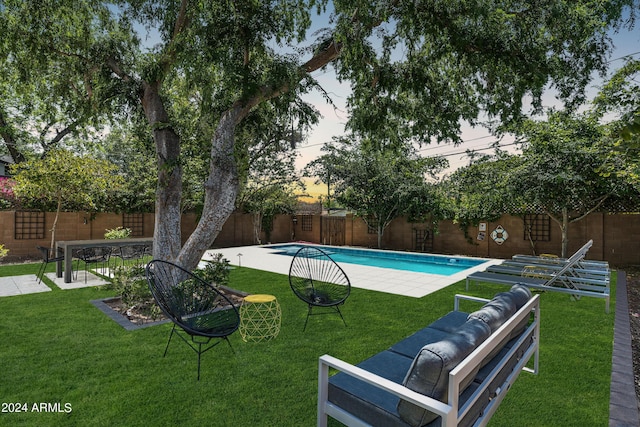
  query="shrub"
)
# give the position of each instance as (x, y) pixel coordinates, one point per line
(3, 251)
(117, 233)
(131, 284)
(216, 271)
(7, 196)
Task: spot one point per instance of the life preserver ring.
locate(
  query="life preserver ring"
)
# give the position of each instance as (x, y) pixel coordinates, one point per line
(499, 235)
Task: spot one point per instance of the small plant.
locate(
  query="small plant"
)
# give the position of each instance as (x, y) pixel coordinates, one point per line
(130, 283)
(117, 233)
(3, 251)
(216, 271)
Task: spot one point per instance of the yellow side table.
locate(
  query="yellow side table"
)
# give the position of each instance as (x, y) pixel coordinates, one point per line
(260, 318)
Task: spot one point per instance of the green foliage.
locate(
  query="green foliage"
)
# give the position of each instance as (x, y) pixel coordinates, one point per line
(117, 233)
(416, 69)
(443, 62)
(64, 180)
(561, 166)
(561, 173)
(621, 95)
(129, 146)
(481, 191)
(3, 251)
(381, 182)
(216, 271)
(573, 333)
(270, 188)
(130, 284)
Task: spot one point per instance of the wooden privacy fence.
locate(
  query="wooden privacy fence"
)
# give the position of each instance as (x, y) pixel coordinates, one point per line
(616, 237)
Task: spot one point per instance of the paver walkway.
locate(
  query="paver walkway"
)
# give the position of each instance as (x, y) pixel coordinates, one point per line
(19, 285)
(28, 283)
(399, 282)
(92, 280)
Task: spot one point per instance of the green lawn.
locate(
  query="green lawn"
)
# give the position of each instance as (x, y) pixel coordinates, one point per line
(58, 348)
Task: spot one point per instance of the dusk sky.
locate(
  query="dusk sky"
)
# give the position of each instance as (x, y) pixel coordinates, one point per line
(332, 124)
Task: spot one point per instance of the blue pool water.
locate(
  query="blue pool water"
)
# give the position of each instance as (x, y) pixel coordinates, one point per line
(423, 263)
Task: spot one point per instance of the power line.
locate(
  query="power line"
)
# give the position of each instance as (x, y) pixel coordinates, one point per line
(477, 149)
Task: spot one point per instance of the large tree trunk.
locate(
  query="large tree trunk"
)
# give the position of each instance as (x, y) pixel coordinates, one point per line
(221, 189)
(222, 184)
(167, 233)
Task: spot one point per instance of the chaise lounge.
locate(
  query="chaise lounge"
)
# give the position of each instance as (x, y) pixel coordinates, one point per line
(564, 279)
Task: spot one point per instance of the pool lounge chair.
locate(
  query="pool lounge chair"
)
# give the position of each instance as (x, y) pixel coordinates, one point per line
(546, 272)
(517, 267)
(547, 261)
(563, 280)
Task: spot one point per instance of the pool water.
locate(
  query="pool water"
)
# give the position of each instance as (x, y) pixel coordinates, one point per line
(423, 263)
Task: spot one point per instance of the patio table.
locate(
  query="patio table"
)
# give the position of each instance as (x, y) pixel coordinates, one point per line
(68, 246)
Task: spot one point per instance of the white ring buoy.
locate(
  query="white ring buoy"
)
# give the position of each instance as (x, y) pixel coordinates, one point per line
(499, 235)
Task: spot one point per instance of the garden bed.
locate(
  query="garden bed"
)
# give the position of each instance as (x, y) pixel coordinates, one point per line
(137, 318)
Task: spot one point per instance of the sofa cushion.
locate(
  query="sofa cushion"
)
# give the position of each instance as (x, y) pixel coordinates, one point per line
(367, 402)
(450, 321)
(429, 372)
(411, 345)
(497, 311)
(520, 295)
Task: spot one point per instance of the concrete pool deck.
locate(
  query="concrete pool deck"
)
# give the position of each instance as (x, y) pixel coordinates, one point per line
(400, 282)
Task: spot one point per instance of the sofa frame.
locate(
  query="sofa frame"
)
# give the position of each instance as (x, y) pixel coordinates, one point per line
(453, 411)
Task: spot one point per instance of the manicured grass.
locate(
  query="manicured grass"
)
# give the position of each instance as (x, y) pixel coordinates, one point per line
(58, 348)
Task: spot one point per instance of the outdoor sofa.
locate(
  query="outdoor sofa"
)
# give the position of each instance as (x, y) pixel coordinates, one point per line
(454, 372)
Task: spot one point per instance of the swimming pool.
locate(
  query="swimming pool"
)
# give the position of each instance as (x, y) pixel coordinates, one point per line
(422, 263)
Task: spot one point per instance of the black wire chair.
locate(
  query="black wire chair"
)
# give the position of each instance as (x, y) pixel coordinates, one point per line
(318, 281)
(94, 256)
(199, 312)
(133, 253)
(46, 259)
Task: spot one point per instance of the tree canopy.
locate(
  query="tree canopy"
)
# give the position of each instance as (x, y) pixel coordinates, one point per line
(380, 183)
(67, 181)
(416, 69)
(561, 169)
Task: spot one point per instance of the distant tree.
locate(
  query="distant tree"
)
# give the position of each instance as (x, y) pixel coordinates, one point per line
(132, 152)
(270, 189)
(66, 180)
(323, 170)
(380, 183)
(423, 65)
(481, 191)
(621, 96)
(561, 166)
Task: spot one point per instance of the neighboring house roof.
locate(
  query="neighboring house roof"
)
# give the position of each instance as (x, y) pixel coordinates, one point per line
(5, 160)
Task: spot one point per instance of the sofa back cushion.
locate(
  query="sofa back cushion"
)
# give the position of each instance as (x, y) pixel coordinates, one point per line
(429, 372)
(520, 294)
(497, 311)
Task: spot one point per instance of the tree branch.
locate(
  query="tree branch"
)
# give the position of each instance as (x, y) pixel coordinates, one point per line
(322, 58)
(182, 22)
(9, 140)
(590, 211)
